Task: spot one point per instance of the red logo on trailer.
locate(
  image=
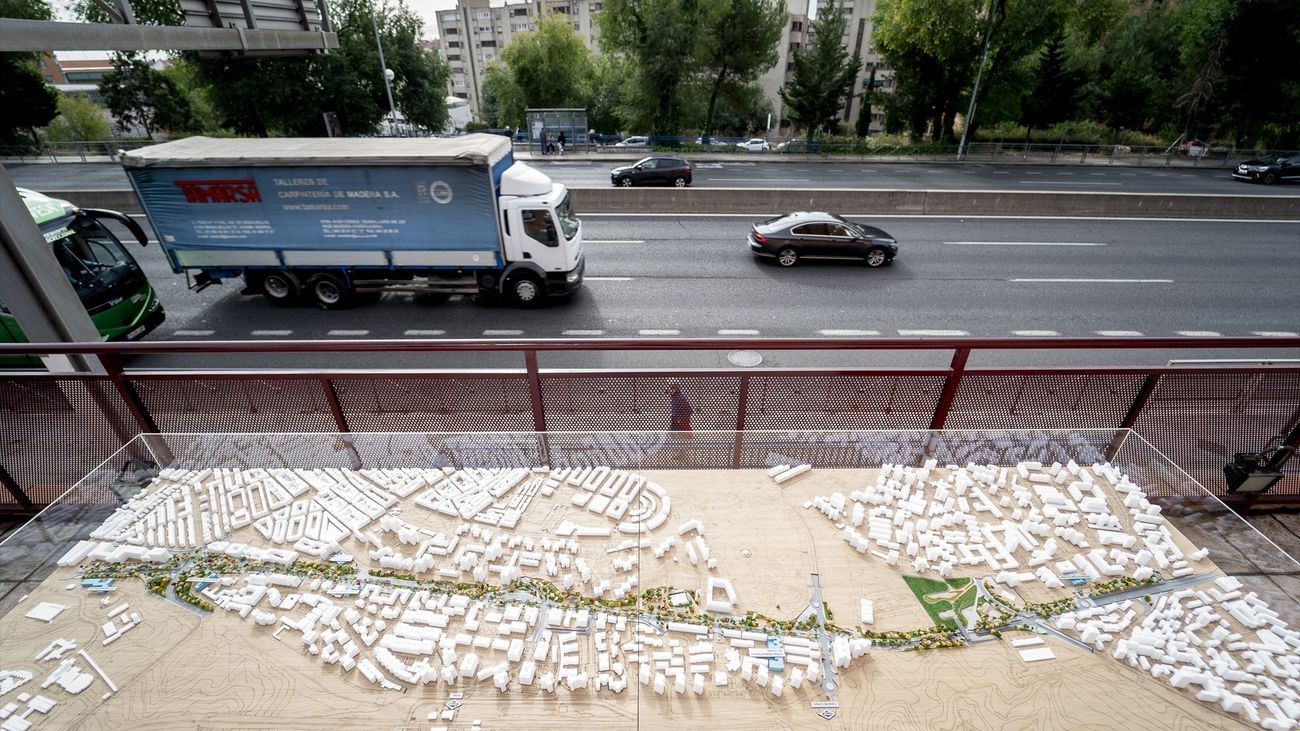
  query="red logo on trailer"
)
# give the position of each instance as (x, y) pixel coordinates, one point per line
(220, 191)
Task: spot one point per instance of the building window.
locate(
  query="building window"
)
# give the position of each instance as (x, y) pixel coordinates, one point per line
(448, 17)
(796, 26)
(453, 57)
(453, 44)
(488, 44)
(450, 31)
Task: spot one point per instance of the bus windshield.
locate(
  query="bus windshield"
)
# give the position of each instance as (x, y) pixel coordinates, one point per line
(94, 260)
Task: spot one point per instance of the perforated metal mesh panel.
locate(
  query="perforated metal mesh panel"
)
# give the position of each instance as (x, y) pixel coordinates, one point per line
(222, 406)
(1043, 401)
(1200, 420)
(629, 404)
(842, 402)
(436, 405)
(55, 432)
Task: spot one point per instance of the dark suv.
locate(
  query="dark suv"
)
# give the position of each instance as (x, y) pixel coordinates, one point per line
(652, 171)
(1269, 170)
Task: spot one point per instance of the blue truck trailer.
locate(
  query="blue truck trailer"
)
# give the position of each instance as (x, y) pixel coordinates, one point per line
(327, 220)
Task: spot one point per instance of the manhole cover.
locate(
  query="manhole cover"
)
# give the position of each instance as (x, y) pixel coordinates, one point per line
(744, 358)
(746, 553)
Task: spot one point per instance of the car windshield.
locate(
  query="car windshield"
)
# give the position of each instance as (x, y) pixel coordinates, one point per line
(568, 221)
(853, 228)
(642, 161)
(93, 258)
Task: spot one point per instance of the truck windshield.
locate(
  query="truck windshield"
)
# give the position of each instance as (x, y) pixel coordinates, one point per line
(568, 221)
(92, 257)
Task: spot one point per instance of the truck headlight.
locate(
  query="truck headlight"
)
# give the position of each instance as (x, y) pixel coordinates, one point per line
(572, 277)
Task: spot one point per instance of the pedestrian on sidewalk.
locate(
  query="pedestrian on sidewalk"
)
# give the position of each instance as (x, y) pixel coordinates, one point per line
(680, 422)
(561, 141)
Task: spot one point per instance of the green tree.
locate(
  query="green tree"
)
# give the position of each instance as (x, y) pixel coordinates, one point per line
(608, 97)
(139, 95)
(823, 74)
(26, 101)
(1257, 92)
(661, 39)
(869, 99)
(185, 76)
(745, 35)
(79, 119)
(502, 100)
(1052, 98)
(551, 66)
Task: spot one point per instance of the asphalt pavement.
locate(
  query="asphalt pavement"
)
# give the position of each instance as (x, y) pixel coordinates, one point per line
(669, 276)
(926, 175)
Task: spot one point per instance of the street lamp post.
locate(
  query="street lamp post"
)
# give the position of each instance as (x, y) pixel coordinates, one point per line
(984, 57)
(388, 73)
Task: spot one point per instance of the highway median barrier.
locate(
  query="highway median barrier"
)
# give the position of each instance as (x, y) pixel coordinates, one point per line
(762, 201)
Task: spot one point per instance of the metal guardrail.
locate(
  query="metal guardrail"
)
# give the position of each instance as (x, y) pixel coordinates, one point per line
(57, 427)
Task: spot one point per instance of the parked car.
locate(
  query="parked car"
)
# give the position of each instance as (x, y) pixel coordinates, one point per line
(756, 144)
(635, 141)
(710, 140)
(793, 237)
(653, 170)
(1269, 170)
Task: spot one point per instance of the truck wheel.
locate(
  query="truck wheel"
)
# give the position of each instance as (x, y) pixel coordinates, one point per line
(525, 290)
(280, 289)
(330, 292)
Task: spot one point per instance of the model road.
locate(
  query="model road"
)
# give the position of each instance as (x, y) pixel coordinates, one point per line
(755, 173)
(694, 277)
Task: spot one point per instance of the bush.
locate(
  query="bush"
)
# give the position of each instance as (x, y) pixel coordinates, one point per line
(1084, 132)
(79, 119)
(474, 125)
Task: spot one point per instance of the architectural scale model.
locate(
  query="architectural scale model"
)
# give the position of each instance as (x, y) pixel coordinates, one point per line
(472, 598)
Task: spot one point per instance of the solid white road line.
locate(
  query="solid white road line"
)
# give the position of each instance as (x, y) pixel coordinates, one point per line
(1097, 281)
(607, 279)
(957, 216)
(1200, 333)
(1067, 182)
(848, 333)
(499, 333)
(274, 333)
(933, 333)
(193, 333)
(1274, 334)
(1020, 243)
(1035, 333)
(737, 332)
(347, 333)
(613, 241)
(1119, 333)
(583, 333)
(756, 180)
(659, 332)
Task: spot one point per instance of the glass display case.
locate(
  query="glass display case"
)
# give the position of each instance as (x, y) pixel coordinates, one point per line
(846, 579)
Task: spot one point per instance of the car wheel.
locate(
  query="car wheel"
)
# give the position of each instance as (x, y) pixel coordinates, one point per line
(679, 181)
(280, 289)
(787, 257)
(330, 292)
(525, 290)
(876, 257)
(625, 182)
(1269, 178)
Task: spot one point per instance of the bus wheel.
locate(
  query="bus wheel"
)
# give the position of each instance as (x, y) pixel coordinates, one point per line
(280, 289)
(330, 292)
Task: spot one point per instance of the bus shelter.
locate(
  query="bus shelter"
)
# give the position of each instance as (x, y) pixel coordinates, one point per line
(545, 126)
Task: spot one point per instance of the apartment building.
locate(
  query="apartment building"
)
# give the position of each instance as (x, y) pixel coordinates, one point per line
(476, 31)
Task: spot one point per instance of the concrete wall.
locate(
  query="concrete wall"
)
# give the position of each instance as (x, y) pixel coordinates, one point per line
(935, 202)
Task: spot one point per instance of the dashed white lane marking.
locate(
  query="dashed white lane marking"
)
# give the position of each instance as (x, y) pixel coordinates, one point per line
(583, 333)
(1274, 334)
(764, 180)
(659, 332)
(1119, 333)
(347, 333)
(737, 332)
(1200, 333)
(1096, 281)
(1020, 243)
(424, 333)
(932, 333)
(275, 333)
(848, 333)
(194, 333)
(613, 241)
(498, 333)
(1035, 333)
(608, 279)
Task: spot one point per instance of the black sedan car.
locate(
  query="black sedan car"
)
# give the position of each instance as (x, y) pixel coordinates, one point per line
(653, 170)
(794, 237)
(1269, 170)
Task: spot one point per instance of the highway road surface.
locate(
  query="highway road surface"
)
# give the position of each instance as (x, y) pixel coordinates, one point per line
(692, 276)
(758, 174)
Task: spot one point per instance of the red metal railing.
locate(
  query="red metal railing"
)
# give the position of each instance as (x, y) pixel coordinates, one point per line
(56, 427)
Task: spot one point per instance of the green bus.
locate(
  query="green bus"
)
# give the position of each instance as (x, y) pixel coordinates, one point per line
(111, 285)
